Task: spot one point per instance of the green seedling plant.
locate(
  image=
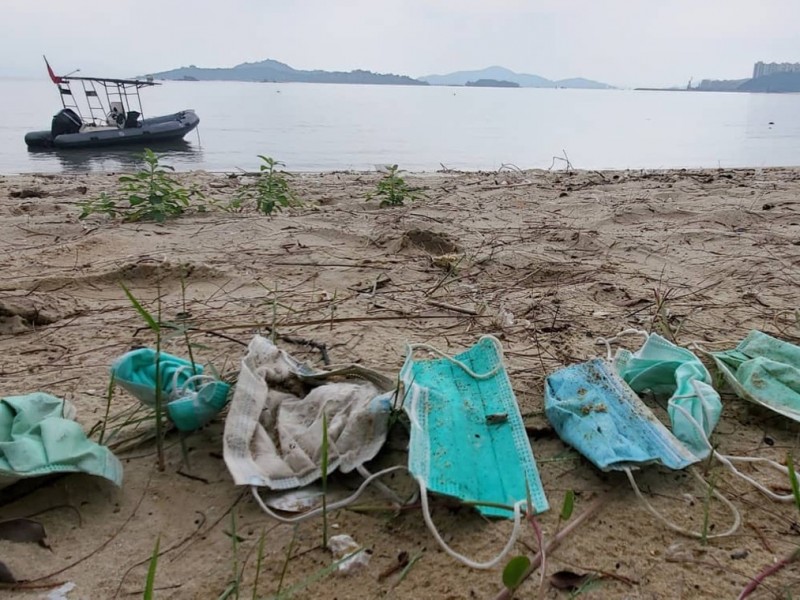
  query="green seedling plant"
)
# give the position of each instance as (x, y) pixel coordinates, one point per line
(232, 590)
(270, 192)
(514, 573)
(149, 586)
(151, 194)
(156, 327)
(393, 190)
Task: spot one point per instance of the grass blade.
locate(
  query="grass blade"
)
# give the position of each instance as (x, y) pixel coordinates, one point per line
(148, 318)
(793, 479)
(151, 573)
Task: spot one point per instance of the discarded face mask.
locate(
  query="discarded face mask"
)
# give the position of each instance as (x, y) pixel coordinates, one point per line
(764, 370)
(274, 427)
(39, 436)
(192, 399)
(669, 371)
(594, 410)
(467, 436)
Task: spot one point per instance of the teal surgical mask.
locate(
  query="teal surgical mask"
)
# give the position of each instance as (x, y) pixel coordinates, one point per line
(192, 398)
(674, 374)
(467, 436)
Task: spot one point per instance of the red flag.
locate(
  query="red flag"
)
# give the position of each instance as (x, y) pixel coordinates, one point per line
(56, 79)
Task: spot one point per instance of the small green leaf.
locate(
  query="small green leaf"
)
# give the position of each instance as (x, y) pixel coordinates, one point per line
(568, 506)
(514, 572)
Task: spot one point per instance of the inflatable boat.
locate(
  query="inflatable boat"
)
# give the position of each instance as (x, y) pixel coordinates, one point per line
(69, 131)
(111, 115)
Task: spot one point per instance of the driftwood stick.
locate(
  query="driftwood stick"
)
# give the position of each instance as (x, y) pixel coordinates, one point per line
(458, 309)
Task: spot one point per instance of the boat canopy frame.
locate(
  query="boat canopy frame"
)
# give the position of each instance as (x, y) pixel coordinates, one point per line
(122, 91)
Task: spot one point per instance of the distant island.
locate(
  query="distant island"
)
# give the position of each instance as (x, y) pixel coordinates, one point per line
(270, 70)
(278, 72)
(522, 79)
(492, 83)
(771, 78)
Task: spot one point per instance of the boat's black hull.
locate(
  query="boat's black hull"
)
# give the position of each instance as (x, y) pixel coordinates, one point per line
(169, 128)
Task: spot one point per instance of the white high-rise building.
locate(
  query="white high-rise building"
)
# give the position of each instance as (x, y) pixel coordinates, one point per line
(762, 69)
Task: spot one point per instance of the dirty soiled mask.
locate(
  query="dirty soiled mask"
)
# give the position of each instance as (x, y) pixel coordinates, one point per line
(467, 436)
(274, 427)
(594, 409)
(764, 370)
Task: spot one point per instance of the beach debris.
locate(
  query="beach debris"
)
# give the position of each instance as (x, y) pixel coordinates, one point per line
(402, 562)
(60, 593)
(342, 546)
(41, 437)
(302, 499)
(23, 531)
(569, 581)
(6, 576)
(28, 193)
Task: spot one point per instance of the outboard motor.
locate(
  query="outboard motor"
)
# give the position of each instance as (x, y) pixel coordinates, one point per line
(65, 121)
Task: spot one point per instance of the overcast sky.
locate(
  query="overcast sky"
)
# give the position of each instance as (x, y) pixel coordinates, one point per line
(622, 42)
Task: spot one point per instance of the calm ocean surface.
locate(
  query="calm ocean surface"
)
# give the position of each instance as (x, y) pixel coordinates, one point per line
(317, 127)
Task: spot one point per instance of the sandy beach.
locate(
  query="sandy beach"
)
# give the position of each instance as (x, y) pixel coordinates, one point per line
(547, 261)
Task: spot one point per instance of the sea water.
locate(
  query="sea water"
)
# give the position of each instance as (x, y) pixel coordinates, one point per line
(323, 127)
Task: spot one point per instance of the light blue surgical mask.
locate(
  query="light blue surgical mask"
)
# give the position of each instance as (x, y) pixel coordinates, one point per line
(594, 410)
(674, 373)
(192, 398)
(467, 436)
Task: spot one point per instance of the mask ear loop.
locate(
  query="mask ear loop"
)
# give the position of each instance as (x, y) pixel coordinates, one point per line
(611, 340)
(737, 519)
(458, 363)
(426, 514)
(189, 386)
(318, 511)
(728, 460)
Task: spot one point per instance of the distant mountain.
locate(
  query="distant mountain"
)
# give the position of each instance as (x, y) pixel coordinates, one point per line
(273, 70)
(503, 74)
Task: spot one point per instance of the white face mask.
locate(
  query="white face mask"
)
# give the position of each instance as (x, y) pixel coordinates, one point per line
(273, 431)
